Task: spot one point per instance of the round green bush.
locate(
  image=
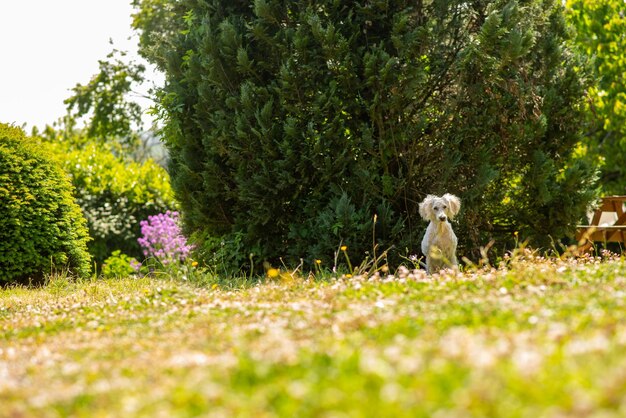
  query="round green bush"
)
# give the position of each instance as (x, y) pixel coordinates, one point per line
(115, 194)
(41, 226)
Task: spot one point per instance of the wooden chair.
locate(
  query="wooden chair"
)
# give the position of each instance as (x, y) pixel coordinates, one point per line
(608, 223)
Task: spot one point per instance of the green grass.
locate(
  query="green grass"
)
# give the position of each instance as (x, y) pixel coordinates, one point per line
(539, 339)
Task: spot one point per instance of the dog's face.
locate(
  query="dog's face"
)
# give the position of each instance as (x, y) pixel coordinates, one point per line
(439, 209)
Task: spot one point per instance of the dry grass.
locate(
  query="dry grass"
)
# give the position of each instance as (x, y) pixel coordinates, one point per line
(541, 338)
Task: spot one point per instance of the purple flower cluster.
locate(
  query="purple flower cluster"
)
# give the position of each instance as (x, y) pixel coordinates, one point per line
(135, 265)
(162, 238)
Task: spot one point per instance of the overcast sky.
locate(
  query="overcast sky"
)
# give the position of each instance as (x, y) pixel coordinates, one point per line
(47, 46)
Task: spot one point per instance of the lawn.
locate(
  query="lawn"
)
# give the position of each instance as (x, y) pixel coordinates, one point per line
(541, 338)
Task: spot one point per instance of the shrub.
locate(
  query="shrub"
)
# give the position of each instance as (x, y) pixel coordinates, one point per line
(119, 265)
(162, 239)
(115, 194)
(291, 124)
(41, 226)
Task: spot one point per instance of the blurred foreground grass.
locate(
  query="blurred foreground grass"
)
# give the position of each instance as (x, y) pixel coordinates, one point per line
(540, 339)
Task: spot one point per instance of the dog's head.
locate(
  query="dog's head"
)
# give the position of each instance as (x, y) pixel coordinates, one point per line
(440, 209)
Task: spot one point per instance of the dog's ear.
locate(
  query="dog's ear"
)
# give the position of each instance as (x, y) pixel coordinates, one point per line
(453, 202)
(426, 207)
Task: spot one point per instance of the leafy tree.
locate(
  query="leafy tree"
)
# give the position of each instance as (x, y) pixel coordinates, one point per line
(601, 34)
(112, 117)
(293, 125)
(158, 23)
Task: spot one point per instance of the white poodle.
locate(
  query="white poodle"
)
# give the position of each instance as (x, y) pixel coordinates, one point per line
(439, 243)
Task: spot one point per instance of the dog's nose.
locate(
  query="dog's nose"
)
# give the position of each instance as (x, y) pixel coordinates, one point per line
(442, 218)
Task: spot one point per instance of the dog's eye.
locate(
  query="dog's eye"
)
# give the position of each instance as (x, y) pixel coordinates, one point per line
(436, 208)
(445, 207)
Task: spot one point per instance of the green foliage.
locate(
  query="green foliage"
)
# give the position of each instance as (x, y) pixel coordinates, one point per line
(115, 194)
(104, 99)
(118, 265)
(159, 21)
(291, 124)
(41, 226)
(601, 35)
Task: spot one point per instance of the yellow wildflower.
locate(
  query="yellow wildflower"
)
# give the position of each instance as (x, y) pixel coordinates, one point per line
(273, 273)
(344, 247)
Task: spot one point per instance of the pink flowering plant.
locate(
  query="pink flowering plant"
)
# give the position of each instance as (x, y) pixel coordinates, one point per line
(163, 240)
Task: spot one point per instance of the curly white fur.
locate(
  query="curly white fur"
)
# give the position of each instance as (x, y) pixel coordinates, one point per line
(439, 243)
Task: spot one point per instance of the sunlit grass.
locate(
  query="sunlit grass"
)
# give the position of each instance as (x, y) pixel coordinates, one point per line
(540, 338)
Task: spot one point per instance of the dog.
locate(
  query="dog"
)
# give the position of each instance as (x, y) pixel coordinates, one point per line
(439, 243)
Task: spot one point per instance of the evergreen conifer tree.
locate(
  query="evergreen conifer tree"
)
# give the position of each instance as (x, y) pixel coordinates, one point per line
(291, 124)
